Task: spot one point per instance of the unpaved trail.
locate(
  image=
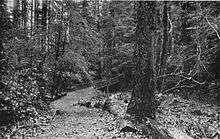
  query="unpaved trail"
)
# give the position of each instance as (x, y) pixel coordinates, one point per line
(66, 103)
(79, 121)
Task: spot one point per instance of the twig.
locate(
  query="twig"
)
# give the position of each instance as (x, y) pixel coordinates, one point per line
(161, 76)
(190, 78)
(202, 64)
(213, 28)
(182, 76)
(176, 87)
(201, 53)
(179, 82)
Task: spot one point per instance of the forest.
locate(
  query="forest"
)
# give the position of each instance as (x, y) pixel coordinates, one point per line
(109, 69)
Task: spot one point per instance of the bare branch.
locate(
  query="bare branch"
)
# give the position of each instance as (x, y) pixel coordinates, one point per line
(190, 78)
(213, 28)
(176, 87)
(209, 50)
(182, 76)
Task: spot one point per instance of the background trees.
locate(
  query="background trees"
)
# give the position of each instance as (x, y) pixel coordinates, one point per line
(5, 25)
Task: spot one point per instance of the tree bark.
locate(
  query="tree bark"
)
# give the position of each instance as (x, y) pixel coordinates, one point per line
(143, 99)
(44, 15)
(31, 18)
(36, 13)
(163, 54)
(56, 72)
(24, 14)
(16, 13)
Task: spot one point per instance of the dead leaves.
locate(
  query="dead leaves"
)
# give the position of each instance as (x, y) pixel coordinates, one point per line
(196, 119)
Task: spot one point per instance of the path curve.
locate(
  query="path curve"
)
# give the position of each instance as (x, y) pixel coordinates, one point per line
(78, 121)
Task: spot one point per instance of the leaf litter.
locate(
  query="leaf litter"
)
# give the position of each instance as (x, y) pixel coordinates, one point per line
(71, 120)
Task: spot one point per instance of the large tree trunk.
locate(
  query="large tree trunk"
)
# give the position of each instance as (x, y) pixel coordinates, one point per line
(142, 99)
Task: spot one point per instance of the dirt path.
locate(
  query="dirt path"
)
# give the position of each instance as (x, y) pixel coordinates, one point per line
(66, 103)
(78, 121)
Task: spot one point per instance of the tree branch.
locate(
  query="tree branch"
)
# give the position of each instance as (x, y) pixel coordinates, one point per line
(209, 50)
(182, 76)
(213, 28)
(176, 87)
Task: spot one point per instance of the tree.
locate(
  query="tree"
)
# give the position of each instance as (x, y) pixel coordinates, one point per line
(36, 13)
(24, 14)
(44, 14)
(164, 51)
(142, 99)
(16, 13)
(109, 44)
(5, 25)
(72, 45)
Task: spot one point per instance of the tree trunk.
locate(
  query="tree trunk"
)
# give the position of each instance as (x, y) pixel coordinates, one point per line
(16, 13)
(56, 73)
(163, 54)
(143, 99)
(31, 18)
(44, 20)
(36, 13)
(5, 25)
(44, 15)
(109, 44)
(24, 14)
(97, 17)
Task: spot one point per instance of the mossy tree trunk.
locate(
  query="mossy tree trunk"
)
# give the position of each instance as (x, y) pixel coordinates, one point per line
(142, 99)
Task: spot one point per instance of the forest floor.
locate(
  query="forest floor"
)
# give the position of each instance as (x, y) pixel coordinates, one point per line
(75, 121)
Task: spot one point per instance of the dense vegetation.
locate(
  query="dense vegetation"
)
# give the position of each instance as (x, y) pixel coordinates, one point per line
(160, 47)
